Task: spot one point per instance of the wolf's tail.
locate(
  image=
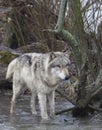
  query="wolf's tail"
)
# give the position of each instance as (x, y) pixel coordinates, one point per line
(10, 69)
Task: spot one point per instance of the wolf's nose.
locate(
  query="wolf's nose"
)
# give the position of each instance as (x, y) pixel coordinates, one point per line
(67, 77)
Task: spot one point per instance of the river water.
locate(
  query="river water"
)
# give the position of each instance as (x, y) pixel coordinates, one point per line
(23, 119)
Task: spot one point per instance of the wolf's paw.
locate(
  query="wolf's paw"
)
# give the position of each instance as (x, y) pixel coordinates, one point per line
(34, 112)
(45, 117)
(12, 111)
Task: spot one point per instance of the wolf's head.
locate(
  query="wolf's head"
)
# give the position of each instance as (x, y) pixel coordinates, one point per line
(58, 67)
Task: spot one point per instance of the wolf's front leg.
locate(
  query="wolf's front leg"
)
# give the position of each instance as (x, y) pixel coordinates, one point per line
(51, 99)
(33, 96)
(42, 102)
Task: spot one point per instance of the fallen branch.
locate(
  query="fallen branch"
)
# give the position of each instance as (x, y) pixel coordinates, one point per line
(63, 111)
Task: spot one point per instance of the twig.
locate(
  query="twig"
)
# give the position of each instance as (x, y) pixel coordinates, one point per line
(66, 97)
(63, 95)
(63, 111)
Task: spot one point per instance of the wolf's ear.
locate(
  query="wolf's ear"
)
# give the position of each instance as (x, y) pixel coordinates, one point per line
(65, 48)
(52, 56)
(68, 53)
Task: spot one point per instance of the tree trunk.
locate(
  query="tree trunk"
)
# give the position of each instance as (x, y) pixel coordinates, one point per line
(86, 90)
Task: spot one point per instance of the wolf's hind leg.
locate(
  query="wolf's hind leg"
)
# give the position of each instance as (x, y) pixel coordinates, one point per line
(16, 92)
(42, 103)
(33, 96)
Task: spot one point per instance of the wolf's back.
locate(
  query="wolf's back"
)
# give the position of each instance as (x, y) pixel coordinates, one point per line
(10, 69)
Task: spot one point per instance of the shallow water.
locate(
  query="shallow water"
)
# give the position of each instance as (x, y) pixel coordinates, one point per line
(23, 119)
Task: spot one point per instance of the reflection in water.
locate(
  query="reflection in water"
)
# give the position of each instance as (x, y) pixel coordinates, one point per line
(23, 119)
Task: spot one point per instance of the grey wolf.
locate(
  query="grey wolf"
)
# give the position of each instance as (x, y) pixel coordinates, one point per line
(41, 74)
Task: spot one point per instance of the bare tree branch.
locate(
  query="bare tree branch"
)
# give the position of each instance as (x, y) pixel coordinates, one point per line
(61, 16)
